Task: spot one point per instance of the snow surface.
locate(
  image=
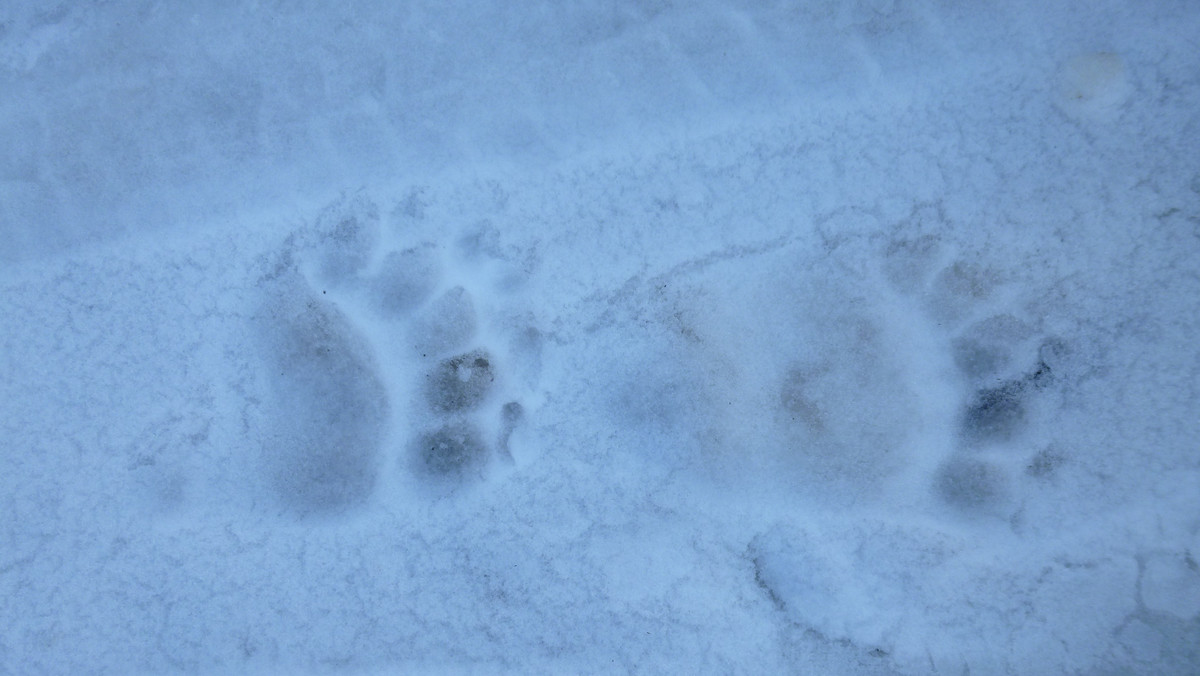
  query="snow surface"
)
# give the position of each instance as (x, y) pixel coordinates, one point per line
(617, 336)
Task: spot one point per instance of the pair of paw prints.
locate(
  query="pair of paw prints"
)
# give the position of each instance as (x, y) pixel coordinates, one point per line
(371, 349)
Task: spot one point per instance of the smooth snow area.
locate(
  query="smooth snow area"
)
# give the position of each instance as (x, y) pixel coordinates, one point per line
(600, 337)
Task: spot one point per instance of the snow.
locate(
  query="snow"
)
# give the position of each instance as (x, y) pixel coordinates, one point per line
(722, 337)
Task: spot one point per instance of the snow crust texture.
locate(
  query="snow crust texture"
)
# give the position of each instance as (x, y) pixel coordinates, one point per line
(622, 337)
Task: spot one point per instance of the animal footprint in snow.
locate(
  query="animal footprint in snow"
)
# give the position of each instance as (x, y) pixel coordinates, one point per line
(421, 302)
